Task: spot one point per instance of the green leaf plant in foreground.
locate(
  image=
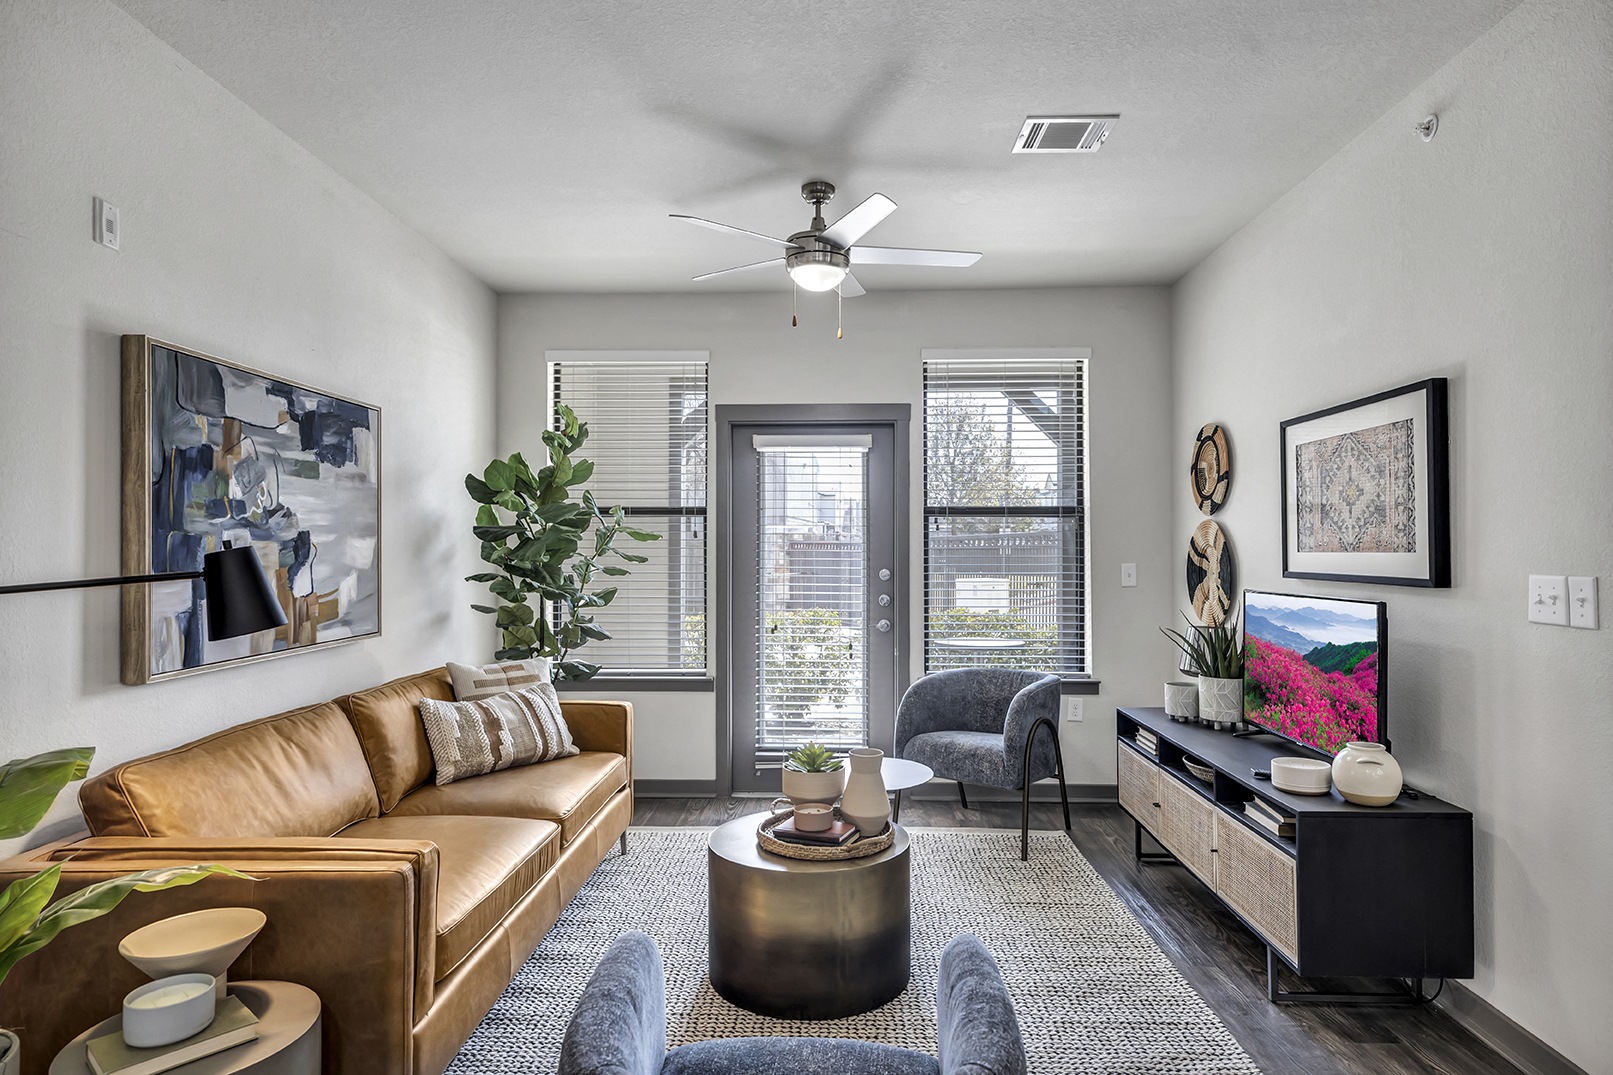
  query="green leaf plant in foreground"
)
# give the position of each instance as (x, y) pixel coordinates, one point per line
(548, 540)
(29, 920)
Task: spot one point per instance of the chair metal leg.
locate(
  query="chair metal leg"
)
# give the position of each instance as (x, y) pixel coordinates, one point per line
(963, 796)
(1025, 782)
(896, 809)
(623, 843)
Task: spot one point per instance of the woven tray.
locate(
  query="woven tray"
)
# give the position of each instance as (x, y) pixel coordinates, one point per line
(859, 847)
(1199, 769)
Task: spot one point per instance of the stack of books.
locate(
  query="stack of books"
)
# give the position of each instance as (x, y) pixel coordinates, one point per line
(836, 834)
(1269, 817)
(1148, 742)
(233, 1024)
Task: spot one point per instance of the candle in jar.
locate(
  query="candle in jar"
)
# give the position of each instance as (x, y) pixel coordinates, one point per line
(169, 994)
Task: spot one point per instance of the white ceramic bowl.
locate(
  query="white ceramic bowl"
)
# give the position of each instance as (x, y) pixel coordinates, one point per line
(168, 1010)
(1302, 776)
(202, 941)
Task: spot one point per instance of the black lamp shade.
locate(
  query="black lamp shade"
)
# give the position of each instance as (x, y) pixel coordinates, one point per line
(240, 600)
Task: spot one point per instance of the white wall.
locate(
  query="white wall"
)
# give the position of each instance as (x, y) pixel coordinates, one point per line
(756, 357)
(1486, 257)
(239, 243)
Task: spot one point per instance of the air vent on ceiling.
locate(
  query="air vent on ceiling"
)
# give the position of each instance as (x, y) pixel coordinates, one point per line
(1063, 134)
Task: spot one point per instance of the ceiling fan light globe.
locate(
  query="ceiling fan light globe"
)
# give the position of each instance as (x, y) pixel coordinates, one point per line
(815, 276)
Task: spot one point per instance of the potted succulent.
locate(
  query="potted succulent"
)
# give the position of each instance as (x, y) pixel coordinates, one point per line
(813, 775)
(1215, 655)
(28, 918)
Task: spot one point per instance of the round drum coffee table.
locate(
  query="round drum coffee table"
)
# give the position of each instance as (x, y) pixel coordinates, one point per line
(806, 940)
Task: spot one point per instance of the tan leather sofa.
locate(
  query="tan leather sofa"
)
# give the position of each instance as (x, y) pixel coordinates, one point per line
(407, 907)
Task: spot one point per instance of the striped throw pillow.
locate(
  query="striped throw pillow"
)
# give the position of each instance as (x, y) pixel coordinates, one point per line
(489, 734)
(473, 682)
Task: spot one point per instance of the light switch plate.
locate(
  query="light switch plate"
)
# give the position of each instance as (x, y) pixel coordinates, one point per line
(108, 228)
(1548, 599)
(1582, 602)
(1128, 574)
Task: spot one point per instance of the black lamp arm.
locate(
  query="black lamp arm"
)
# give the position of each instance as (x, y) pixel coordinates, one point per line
(119, 580)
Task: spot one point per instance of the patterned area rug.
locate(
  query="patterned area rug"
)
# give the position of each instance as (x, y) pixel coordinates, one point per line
(1093, 991)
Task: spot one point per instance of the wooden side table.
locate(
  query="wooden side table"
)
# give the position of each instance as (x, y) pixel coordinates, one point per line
(288, 1036)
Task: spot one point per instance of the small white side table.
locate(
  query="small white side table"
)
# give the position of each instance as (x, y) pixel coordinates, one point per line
(288, 1036)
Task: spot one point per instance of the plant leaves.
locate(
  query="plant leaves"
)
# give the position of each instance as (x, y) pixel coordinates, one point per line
(96, 900)
(503, 587)
(495, 533)
(512, 654)
(479, 490)
(29, 785)
(22, 901)
(499, 476)
(581, 471)
(578, 670)
(593, 631)
(631, 557)
(486, 516)
(612, 569)
(640, 535)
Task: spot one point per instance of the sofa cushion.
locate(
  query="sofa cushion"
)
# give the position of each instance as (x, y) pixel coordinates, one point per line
(566, 791)
(797, 1056)
(486, 865)
(387, 722)
(473, 681)
(300, 773)
(499, 732)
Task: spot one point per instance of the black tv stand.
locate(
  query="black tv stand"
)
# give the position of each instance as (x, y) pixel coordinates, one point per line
(1355, 892)
(1249, 733)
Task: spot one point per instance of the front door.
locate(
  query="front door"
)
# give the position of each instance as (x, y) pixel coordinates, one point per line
(814, 621)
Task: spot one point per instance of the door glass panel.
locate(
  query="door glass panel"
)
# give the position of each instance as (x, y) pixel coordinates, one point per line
(811, 598)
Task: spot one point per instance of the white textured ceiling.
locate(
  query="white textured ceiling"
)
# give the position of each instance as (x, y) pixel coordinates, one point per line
(542, 144)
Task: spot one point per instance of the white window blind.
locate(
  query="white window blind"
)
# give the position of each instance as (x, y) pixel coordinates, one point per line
(647, 438)
(1005, 510)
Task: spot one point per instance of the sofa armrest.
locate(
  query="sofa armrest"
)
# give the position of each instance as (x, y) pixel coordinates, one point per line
(619, 1024)
(976, 1029)
(353, 920)
(606, 726)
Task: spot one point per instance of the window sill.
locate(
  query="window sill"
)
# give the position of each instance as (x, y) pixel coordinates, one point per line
(1079, 685)
(685, 684)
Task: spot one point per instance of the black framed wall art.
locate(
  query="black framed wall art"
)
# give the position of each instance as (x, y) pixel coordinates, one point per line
(216, 452)
(1366, 490)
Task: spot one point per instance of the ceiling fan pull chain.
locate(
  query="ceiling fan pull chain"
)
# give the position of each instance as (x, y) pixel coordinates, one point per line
(793, 322)
(840, 321)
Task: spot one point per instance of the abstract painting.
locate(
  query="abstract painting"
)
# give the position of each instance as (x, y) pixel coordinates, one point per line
(214, 452)
(1366, 490)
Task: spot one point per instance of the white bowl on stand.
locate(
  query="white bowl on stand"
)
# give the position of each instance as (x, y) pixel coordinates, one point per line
(1302, 776)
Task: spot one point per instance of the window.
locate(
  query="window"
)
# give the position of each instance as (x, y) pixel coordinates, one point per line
(1005, 509)
(646, 415)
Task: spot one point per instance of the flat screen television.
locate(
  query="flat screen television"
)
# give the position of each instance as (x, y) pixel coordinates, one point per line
(1314, 668)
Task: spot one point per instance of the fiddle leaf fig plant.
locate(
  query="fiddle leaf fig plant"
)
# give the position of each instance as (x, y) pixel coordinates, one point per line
(534, 528)
(29, 920)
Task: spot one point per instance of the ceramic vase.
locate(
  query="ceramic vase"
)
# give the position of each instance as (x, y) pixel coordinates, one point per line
(10, 1054)
(801, 788)
(1366, 774)
(1220, 701)
(865, 803)
(1182, 701)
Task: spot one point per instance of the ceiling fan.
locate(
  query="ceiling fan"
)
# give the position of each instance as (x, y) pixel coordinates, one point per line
(821, 257)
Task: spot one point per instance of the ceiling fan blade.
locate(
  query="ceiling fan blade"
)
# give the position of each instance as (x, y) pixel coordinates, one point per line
(714, 226)
(850, 288)
(860, 221)
(895, 255)
(741, 268)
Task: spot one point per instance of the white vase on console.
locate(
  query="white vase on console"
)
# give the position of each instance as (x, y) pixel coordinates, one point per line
(1220, 701)
(865, 803)
(1367, 774)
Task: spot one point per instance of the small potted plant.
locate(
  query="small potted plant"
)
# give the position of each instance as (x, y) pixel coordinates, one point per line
(1215, 655)
(813, 775)
(28, 918)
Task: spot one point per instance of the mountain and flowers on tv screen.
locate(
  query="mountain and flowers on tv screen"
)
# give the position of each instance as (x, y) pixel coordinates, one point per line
(1311, 668)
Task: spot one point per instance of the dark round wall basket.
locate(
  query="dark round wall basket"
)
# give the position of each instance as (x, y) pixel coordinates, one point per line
(1212, 579)
(1210, 472)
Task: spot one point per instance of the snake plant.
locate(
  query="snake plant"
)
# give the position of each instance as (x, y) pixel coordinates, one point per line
(1211, 651)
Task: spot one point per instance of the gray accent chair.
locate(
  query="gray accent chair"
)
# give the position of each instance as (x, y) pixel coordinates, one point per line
(979, 726)
(619, 1027)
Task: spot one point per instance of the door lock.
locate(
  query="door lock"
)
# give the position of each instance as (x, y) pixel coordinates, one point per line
(882, 626)
(884, 600)
(884, 574)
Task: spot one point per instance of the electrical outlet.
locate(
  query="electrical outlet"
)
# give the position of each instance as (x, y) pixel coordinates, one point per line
(1582, 602)
(1072, 710)
(1128, 574)
(1548, 599)
(108, 227)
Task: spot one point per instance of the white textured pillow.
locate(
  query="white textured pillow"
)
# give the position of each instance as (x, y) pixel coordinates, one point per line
(489, 734)
(472, 682)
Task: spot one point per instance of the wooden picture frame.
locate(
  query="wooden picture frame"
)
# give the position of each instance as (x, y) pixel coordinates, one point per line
(216, 451)
(1366, 490)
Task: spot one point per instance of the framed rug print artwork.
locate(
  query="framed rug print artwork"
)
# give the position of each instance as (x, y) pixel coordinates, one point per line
(216, 452)
(1366, 490)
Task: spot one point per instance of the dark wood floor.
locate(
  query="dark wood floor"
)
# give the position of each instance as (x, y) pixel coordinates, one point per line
(1214, 951)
